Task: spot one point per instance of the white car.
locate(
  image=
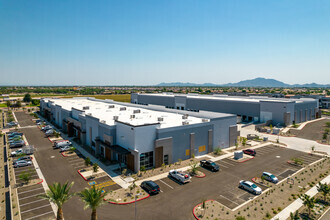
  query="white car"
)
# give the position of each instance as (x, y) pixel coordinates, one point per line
(65, 148)
(269, 177)
(180, 176)
(22, 163)
(46, 128)
(249, 186)
(17, 152)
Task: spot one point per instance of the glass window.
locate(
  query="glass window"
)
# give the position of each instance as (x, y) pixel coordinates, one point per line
(166, 159)
(147, 160)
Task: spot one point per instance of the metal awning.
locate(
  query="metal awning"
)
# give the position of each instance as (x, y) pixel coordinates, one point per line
(118, 149)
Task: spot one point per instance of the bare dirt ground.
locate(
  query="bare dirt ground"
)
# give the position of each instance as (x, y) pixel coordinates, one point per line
(312, 131)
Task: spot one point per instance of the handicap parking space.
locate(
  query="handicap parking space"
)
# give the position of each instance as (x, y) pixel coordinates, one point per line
(104, 182)
(33, 207)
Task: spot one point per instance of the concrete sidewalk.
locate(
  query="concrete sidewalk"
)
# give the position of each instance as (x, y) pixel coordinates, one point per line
(294, 206)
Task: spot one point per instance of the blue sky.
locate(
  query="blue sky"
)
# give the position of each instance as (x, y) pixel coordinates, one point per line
(78, 42)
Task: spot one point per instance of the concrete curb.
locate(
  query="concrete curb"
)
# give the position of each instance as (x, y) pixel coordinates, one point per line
(63, 154)
(202, 176)
(82, 175)
(253, 180)
(42, 180)
(197, 206)
(246, 160)
(126, 203)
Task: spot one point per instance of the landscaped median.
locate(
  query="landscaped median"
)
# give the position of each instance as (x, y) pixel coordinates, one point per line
(123, 196)
(88, 173)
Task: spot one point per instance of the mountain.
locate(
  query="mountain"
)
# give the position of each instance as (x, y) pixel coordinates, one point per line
(257, 82)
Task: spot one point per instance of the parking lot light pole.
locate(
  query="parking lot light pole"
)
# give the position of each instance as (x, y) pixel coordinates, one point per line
(135, 204)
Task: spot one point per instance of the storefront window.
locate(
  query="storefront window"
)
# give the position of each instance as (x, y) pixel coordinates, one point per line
(146, 160)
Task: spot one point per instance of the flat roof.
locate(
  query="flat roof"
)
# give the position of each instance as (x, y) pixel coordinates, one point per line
(110, 112)
(254, 98)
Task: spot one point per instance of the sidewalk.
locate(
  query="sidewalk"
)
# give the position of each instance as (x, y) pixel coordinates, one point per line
(285, 213)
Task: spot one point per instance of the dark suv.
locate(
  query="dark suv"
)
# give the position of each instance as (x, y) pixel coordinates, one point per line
(250, 152)
(210, 165)
(150, 186)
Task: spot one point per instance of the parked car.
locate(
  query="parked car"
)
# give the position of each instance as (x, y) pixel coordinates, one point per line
(65, 148)
(249, 186)
(22, 163)
(250, 152)
(49, 132)
(25, 150)
(46, 128)
(19, 143)
(150, 186)
(180, 176)
(26, 158)
(12, 134)
(63, 143)
(15, 136)
(12, 124)
(269, 177)
(15, 139)
(210, 165)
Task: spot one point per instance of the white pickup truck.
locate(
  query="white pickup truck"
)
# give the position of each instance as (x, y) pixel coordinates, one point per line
(180, 176)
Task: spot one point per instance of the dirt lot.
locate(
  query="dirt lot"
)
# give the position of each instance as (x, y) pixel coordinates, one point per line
(312, 131)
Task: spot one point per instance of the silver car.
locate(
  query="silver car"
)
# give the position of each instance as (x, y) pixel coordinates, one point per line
(22, 163)
(249, 186)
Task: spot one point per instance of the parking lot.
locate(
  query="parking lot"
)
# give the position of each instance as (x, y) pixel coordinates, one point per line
(24, 119)
(175, 201)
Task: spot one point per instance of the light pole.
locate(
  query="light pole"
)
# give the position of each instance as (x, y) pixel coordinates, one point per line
(135, 204)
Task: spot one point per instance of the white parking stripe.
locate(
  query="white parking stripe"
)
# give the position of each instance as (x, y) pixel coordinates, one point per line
(36, 216)
(35, 195)
(221, 165)
(33, 202)
(30, 190)
(226, 162)
(229, 199)
(29, 210)
(166, 184)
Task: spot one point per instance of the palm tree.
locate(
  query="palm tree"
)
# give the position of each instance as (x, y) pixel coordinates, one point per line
(58, 194)
(93, 198)
(308, 201)
(324, 189)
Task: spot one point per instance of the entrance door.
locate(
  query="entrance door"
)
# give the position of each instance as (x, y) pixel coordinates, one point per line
(158, 156)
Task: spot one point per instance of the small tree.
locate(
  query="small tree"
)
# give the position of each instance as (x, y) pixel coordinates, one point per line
(217, 151)
(27, 98)
(163, 166)
(8, 104)
(192, 156)
(294, 216)
(193, 167)
(87, 161)
(324, 189)
(18, 104)
(327, 124)
(131, 188)
(72, 149)
(271, 127)
(308, 201)
(95, 167)
(244, 141)
(25, 176)
(236, 146)
(297, 160)
(142, 168)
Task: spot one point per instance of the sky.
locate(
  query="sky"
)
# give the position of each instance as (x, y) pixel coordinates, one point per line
(145, 42)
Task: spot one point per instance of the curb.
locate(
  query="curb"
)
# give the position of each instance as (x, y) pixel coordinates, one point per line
(246, 160)
(202, 176)
(197, 206)
(50, 140)
(126, 203)
(40, 181)
(293, 164)
(82, 175)
(253, 180)
(63, 154)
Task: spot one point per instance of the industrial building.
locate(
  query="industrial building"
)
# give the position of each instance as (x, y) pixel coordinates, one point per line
(140, 135)
(248, 108)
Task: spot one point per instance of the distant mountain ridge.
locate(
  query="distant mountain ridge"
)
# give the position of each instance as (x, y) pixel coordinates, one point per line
(257, 82)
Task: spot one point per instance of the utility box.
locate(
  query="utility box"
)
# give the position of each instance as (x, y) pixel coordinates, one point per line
(265, 138)
(276, 130)
(238, 155)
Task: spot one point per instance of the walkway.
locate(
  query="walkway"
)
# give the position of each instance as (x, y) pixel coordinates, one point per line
(285, 213)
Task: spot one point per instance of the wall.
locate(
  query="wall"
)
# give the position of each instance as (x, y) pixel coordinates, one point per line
(277, 110)
(92, 123)
(221, 132)
(125, 136)
(156, 100)
(300, 110)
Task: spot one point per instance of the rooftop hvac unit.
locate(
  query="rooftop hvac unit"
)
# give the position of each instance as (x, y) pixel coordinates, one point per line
(185, 116)
(136, 111)
(102, 121)
(85, 107)
(89, 113)
(115, 117)
(111, 106)
(160, 119)
(132, 116)
(185, 123)
(122, 109)
(205, 120)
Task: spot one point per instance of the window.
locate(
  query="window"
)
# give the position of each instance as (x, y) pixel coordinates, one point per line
(147, 160)
(187, 152)
(166, 159)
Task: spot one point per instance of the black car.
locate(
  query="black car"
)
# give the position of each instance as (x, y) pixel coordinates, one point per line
(150, 186)
(210, 165)
(12, 134)
(250, 152)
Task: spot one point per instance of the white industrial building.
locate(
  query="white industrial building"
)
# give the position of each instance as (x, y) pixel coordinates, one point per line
(140, 135)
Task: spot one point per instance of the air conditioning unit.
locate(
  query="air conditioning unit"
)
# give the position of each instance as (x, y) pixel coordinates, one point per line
(102, 121)
(122, 109)
(160, 119)
(111, 106)
(205, 120)
(115, 118)
(185, 123)
(89, 113)
(85, 107)
(185, 116)
(132, 116)
(136, 111)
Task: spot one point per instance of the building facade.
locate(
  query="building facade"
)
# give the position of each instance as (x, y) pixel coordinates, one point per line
(248, 108)
(136, 135)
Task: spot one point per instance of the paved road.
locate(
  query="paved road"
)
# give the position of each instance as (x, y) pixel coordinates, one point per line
(326, 216)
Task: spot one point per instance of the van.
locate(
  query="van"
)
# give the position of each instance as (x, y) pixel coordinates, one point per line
(62, 144)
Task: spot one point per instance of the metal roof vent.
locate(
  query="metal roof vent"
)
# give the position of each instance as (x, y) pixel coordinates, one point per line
(103, 121)
(185, 123)
(89, 113)
(132, 116)
(111, 106)
(136, 111)
(185, 116)
(115, 117)
(85, 107)
(122, 109)
(205, 120)
(160, 119)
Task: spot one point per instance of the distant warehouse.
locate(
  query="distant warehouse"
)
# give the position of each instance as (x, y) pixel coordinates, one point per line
(248, 108)
(140, 135)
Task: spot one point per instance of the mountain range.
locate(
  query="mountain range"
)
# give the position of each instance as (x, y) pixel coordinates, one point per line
(257, 82)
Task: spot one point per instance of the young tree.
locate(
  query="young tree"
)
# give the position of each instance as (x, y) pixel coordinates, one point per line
(58, 194)
(93, 198)
(217, 151)
(193, 169)
(294, 216)
(27, 98)
(95, 168)
(308, 201)
(18, 104)
(324, 189)
(25, 177)
(87, 161)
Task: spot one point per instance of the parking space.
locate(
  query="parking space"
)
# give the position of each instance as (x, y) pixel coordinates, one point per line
(27, 169)
(33, 207)
(24, 119)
